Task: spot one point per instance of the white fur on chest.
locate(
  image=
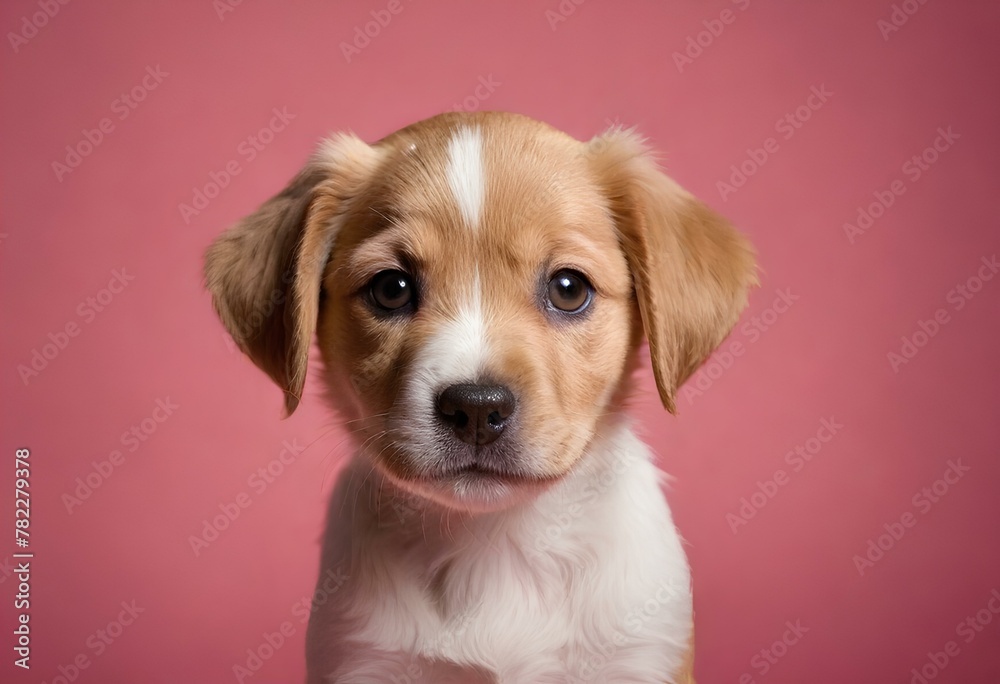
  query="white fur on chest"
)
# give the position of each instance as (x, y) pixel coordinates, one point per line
(588, 583)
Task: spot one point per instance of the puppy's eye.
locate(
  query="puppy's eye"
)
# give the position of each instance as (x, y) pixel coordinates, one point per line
(570, 292)
(391, 290)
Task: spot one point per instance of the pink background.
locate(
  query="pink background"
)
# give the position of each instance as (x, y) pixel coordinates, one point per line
(824, 357)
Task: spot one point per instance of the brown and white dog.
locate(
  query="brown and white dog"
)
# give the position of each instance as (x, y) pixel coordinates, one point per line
(480, 285)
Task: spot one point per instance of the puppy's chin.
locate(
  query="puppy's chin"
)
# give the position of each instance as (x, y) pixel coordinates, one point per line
(477, 492)
(472, 490)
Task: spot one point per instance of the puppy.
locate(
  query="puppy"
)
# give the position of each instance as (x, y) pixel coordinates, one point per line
(480, 285)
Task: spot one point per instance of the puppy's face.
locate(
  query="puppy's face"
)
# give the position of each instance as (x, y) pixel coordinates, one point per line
(478, 284)
(479, 311)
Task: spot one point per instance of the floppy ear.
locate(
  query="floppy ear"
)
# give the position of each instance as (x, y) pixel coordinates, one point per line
(692, 271)
(265, 273)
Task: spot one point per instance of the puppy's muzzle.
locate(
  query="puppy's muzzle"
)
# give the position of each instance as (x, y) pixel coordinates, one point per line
(477, 414)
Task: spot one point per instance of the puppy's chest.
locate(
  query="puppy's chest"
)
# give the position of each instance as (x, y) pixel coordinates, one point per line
(591, 586)
(496, 607)
(504, 612)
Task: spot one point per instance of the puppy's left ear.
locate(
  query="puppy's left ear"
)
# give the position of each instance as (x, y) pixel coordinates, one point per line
(691, 270)
(265, 273)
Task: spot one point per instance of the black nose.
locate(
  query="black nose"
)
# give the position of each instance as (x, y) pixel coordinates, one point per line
(477, 413)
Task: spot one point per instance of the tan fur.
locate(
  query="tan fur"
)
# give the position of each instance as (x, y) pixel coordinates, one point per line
(661, 263)
(547, 212)
(264, 274)
(692, 270)
(686, 675)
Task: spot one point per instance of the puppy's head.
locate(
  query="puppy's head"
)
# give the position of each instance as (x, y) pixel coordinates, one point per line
(479, 284)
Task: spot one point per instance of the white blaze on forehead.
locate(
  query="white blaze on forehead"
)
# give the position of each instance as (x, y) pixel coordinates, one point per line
(466, 176)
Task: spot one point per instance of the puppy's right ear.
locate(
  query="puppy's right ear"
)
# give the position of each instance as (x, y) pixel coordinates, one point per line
(265, 273)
